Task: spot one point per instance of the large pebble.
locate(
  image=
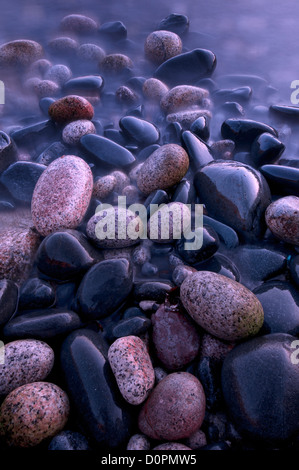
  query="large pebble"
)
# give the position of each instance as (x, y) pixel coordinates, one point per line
(174, 409)
(244, 131)
(73, 131)
(32, 413)
(132, 368)
(163, 168)
(181, 97)
(79, 24)
(162, 45)
(221, 306)
(113, 64)
(62, 194)
(20, 52)
(283, 180)
(104, 150)
(25, 361)
(282, 218)
(70, 108)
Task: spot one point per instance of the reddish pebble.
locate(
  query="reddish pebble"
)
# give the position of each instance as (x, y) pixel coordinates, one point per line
(71, 108)
(172, 446)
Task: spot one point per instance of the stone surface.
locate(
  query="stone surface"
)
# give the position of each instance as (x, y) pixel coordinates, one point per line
(73, 131)
(140, 131)
(177, 215)
(282, 179)
(209, 246)
(36, 293)
(69, 440)
(198, 151)
(80, 24)
(113, 64)
(20, 52)
(154, 90)
(8, 300)
(266, 149)
(70, 108)
(187, 117)
(103, 186)
(244, 131)
(20, 179)
(223, 307)
(62, 194)
(282, 218)
(182, 97)
(162, 45)
(106, 151)
(138, 442)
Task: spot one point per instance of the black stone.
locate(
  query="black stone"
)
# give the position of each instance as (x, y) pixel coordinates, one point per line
(159, 196)
(208, 372)
(294, 269)
(8, 300)
(244, 131)
(44, 104)
(31, 135)
(176, 23)
(93, 391)
(232, 109)
(133, 312)
(106, 151)
(89, 85)
(186, 68)
(104, 288)
(116, 136)
(266, 149)
(20, 179)
(135, 326)
(136, 84)
(210, 244)
(208, 84)
(220, 264)
(65, 294)
(282, 179)
(35, 294)
(285, 111)
(146, 152)
(152, 290)
(240, 95)
(221, 445)
(140, 131)
(55, 150)
(172, 133)
(42, 324)
(280, 301)
(200, 127)
(197, 150)
(8, 151)
(185, 192)
(226, 234)
(113, 31)
(289, 161)
(260, 381)
(69, 440)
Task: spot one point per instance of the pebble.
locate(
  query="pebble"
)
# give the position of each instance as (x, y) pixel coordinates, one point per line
(25, 361)
(162, 45)
(59, 74)
(20, 52)
(113, 31)
(176, 23)
(40, 67)
(62, 195)
(187, 118)
(223, 149)
(282, 179)
(106, 151)
(174, 409)
(103, 186)
(223, 307)
(266, 149)
(8, 300)
(171, 446)
(36, 293)
(196, 440)
(113, 64)
(20, 179)
(55, 150)
(24, 425)
(154, 90)
(244, 131)
(34, 134)
(91, 53)
(138, 442)
(124, 95)
(70, 108)
(199, 153)
(46, 88)
(226, 234)
(210, 244)
(131, 193)
(69, 440)
(163, 168)
(152, 290)
(79, 24)
(140, 131)
(200, 127)
(73, 131)
(282, 218)
(175, 337)
(182, 97)
(132, 368)
(8, 151)
(104, 288)
(96, 399)
(88, 86)
(294, 269)
(135, 326)
(180, 273)
(63, 47)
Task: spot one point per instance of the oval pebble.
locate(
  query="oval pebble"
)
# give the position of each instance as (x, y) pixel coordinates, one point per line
(20, 52)
(154, 90)
(162, 45)
(70, 108)
(282, 218)
(78, 24)
(113, 64)
(73, 131)
(62, 194)
(181, 97)
(172, 446)
(138, 442)
(132, 368)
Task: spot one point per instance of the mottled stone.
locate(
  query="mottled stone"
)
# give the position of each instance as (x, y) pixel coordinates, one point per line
(138, 442)
(63, 46)
(69, 440)
(59, 74)
(214, 348)
(266, 149)
(182, 97)
(163, 168)
(199, 153)
(55, 150)
(104, 186)
(209, 245)
(62, 194)
(113, 64)
(122, 180)
(187, 117)
(70, 108)
(80, 24)
(8, 300)
(73, 131)
(221, 306)
(283, 180)
(40, 67)
(174, 409)
(25, 361)
(46, 88)
(179, 220)
(282, 218)
(154, 90)
(196, 440)
(162, 45)
(20, 52)
(91, 53)
(132, 368)
(25, 425)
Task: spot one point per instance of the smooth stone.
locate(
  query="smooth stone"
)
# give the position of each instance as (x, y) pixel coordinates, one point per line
(152, 290)
(116, 136)
(285, 111)
(182, 97)
(171, 446)
(127, 97)
(282, 179)
(175, 338)
(113, 31)
(289, 161)
(135, 326)
(235, 194)
(24, 425)
(255, 81)
(221, 306)
(91, 53)
(250, 377)
(244, 131)
(174, 22)
(132, 312)
(180, 273)
(79, 24)
(59, 74)
(9, 293)
(172, 133)
(280, 301)
(20, 52)
(106, 151)
(104, 288)
(70, 108)
(8, 151)
(220, 264)
(140, 131)
(200, 127)
(103, 186)
(184, 193)
(64, 255)
(55, 150)
(42, 324)
(157, 197)
(20, 179)
(240, 95)
(162, 45)
(208, 372)
(138, 442)
(282, 218)
(44, 105)
(174, 409)
(30, 135)
(132, 368)
(223, 149)
(62, 195)
(266, 149)
(26, 361)
(165, 167)
(65, 294)
(232, 109)
(197, 150)
(186, 68)
(209, 246)
(87, 85)
(63, 47)
(294, 269)
(96, 398)
(187, 117)
(73, 131)
(36, 293)
(114, 64)
(69, 440)
(178, 216)
(226, 234)
(154, 90)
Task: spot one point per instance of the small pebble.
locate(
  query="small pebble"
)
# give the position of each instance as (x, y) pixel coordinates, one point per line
(104, 186)
(59, 74)
(282, 218)
(138, 442)
(162, 45)
(20, 52)
(78, 24)
(115, 63)
(154, 90)
(91, 53)
(182, 97)
(73, 131)
(70, 108)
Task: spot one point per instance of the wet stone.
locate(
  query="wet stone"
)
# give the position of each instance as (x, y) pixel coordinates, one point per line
(8, 300)
(142, 132)
(89, 85)
(223, 307)
(79, 24)
(73, 131)
(135, 326)
(114, 64)
(20, 179)
(220, 264)
(55, 150)
(210, 244)
(152, 290)
(232, 109)
(138, 442)
(30, 135)
(91, 53)
(40, 67)
(103, 186)
(223, 149)
(282, 179)
(196, 440)
(183, 96)
(46, 88)
(113, 31)
(69, 440)
(70, 108)
(176, 23)
(244, 131)
(289, 161)
(285, 111)
(59, 74)
(179, 217)
(26, 361)
(197, 150)
(226, 234)
(174, 409)
(35, 294)
(208, 371)
(266, 149)
(173, 133)
(106, 151)
(184, 193)
(200, 127)
(162, 45)
(20, 52)
(180, 273)
(44, 105)
(154, 90)
(282, 218)
(8, 152)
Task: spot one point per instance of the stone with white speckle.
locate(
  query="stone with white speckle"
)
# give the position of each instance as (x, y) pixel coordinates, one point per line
(282, 218)
(103, 186)
(172, 446)
(73, 131)
(138, 442)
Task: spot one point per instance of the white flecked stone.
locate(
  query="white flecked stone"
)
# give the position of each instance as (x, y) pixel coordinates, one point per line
(73, 131)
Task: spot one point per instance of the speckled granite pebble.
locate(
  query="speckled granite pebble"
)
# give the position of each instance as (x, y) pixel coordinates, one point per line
(154, 90)
(172, 446)
(163, 168)
(223, 307)
(115, 63)
(282, 218)
(132, 367)
(91, 53)
(78, 24)
(70, 108)
(25, 361)
(138, 442)
(73, 131)
(162, 45)
(20, 52)
(103, 186)
(32, 413)
(182, 97)
(59, 74)
(196, 440)
(61, 195)
(175, 409)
